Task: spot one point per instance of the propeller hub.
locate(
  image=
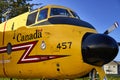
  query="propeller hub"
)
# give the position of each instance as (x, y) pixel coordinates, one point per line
(98, 49)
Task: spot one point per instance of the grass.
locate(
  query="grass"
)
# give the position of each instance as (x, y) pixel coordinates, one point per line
(110, 77)
(17, 79)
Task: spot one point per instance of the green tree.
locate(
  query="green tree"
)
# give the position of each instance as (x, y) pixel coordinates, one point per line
(3, 8)
(12, 8)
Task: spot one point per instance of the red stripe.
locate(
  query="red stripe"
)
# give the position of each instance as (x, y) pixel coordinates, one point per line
(26, 57)
(4, 33)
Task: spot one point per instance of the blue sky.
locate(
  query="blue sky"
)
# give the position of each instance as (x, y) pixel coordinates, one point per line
(100, 13)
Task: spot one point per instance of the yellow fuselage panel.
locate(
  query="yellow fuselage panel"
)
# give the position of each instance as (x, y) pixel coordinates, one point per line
(49, 51)
(14, 23)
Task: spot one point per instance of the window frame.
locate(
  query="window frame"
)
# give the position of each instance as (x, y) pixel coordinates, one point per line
(74, 14)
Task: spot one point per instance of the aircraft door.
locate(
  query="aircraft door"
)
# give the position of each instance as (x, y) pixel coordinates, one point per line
(6, 41)
(2, 39)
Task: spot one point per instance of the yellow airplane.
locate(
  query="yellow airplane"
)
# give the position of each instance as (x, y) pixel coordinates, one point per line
(52, 42)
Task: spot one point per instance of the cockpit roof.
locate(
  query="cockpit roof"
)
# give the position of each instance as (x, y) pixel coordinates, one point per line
(53, 6)
(45, 12)
(55, 14)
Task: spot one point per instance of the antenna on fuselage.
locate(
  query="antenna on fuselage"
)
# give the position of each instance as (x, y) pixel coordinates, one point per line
(31, 6)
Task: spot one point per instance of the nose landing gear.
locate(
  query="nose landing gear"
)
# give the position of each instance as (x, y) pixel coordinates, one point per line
(97, 74)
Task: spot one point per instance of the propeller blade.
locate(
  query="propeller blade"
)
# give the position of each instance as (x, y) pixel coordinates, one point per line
(113, 27)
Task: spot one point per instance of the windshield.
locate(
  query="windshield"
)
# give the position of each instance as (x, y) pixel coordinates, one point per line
(31, 18)
(42, 14)
(75, 14)
(59, 11)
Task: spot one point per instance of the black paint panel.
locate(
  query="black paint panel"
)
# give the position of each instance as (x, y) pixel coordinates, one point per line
(66, 20)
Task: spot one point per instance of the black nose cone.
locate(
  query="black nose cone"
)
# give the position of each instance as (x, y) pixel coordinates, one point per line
(98, 49)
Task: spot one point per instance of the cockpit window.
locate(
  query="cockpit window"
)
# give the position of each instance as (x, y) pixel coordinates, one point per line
(59, 11)
(42, 14)
(31, 18)
(75, 14)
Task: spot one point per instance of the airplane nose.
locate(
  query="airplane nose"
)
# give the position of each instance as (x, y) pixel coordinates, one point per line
(98, 49)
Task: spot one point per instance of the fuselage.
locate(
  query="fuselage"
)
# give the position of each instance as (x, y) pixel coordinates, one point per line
(59, 56)
(49, 46)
